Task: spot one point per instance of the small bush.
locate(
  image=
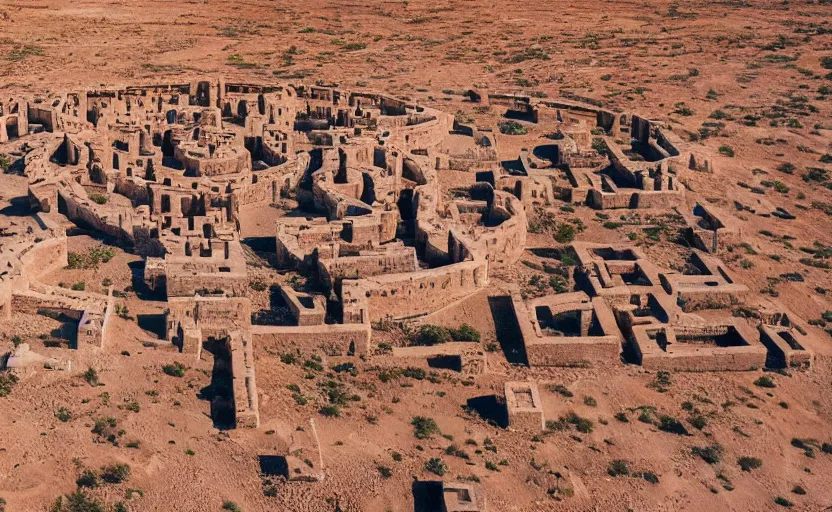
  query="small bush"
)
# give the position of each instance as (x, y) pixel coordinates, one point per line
(698, 421)
(97, 198)
(561, 390)
(710, 454)
(512, 128)
(63, 414)
(288, 358)
(764, 382)
(617, 468)
(384, 471)
(465, 333)
(650, 477)
(786, 168)
(78, 501)
(414, 373)
(345, 367)
(258, 285)
(176, 369)
(436, 466)
(429, 335)
(330, 411)
(582, 425)
(7, 382)
(115, 474)
(590, 401)
(726, 150)
(424, 428)
(622, 417)
(91, 376)
(749, 463)
(783, 502)
(231, 506)
(564, 234)
(88, 479)
(672, 425)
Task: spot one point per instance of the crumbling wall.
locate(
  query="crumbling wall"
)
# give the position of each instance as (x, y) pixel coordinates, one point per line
(333, 340)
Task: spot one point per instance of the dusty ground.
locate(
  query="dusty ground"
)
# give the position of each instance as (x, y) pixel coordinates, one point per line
(746, 76)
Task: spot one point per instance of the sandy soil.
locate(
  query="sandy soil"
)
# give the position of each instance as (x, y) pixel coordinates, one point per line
(693, 64)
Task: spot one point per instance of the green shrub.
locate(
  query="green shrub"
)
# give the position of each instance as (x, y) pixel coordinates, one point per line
(7, 382)
(176, 369)
(87, 479)
(97, 198)
(231, 506)
(436, 466)
(115, 474)
(786, 168)
(91, 376)
(414, 373)
(698, 421)
(78, 501)
(726, 150)
(424, 428)
(783, 502)
(330, 411)
(749, 463)
(582, 425)
(258, 285)
(564, 234)
(384, 471)
(764, 382)
(345, 367)
(512, 128)
(429, 335)
(672, 425)
(710, 454)
(351, 47)
(617, 468)
(651, 477)
(63, 414)
(561, 390)
(464, 333)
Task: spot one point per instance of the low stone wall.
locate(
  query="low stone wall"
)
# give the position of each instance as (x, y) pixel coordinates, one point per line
(708, 360)
(333, 340)
(574, 352)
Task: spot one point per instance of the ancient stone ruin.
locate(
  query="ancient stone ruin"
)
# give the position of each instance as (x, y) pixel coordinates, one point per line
(165, 169)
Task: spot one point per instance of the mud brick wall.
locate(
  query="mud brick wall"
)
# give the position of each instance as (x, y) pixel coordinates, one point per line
(578, 353)
(332, 340)
(733, 359)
